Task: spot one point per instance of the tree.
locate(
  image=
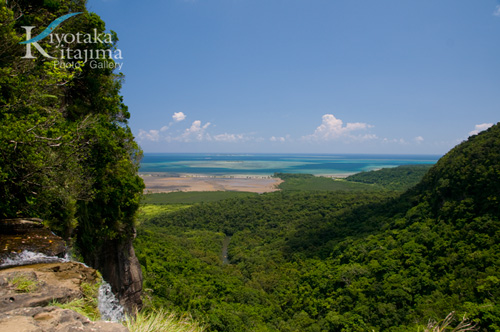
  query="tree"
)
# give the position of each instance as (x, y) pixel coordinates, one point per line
(67, 154)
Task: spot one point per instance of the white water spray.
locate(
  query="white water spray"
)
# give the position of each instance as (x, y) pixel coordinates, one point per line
(27, 257)
(109, 306)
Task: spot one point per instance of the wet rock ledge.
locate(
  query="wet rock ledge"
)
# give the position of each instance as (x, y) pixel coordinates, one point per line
(28, 308)
(17, 235)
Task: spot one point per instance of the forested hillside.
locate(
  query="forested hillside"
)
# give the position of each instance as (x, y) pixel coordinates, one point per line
(337, 261)
(398, 178)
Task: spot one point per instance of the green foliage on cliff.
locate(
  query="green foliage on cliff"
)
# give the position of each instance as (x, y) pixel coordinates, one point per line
(338, 261)
(67, 154)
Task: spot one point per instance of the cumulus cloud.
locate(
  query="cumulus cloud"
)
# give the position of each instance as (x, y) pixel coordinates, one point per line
(480, 127)
(394, 140)
(277, 139)
(332, 128)
(497, 11)
(151, 135)
(402, 141)
(418, 139)
(178, 116)
(196, 132)
(232, 138)
(364, 137)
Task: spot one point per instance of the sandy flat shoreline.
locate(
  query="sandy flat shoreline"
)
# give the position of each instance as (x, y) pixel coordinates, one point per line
(164, 183)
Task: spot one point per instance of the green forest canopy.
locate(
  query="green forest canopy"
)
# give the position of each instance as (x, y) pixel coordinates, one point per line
(338, 261)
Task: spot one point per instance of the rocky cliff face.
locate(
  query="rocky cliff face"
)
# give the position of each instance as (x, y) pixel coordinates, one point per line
(121, 269)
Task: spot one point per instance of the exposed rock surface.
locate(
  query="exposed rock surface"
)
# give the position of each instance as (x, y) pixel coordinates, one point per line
(121, 269)
(26, 310)
(50, 319)
(29, 234)
(50, 282)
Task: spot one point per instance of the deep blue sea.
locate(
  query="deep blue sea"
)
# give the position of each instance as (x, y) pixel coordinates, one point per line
(268, 164)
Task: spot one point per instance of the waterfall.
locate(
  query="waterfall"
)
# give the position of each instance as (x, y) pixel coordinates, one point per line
(109, 306)
(27, 257)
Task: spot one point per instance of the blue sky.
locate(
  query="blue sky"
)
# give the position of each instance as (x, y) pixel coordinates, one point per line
(318, 76)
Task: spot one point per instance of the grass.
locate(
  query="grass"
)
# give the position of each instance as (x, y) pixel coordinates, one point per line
(86, 305)
(24, 284)
(445, 325)
(160, 321)
(191, 197)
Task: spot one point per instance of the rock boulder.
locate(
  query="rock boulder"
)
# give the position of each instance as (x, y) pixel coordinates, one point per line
(52, 319)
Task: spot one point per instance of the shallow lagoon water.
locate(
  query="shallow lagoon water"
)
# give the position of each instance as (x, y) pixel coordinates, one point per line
(267, 164)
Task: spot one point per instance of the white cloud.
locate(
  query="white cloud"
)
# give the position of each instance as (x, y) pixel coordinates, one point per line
(195, 132)
(151, 135)
(356, 126)
(277, 139)
(231, 138)
(480, 127)
(497, 11)
(418, 139)
(402, 141)
(394, 140)
(332, 128)
(178, 116)
(364, 137)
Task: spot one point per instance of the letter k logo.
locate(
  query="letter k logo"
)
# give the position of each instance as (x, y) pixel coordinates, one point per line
(34, 41)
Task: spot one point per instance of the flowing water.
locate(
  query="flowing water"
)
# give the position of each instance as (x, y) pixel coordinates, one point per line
(109, 306)
(27, 257)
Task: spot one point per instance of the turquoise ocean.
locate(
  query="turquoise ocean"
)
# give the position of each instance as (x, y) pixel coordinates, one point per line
(219, 164)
